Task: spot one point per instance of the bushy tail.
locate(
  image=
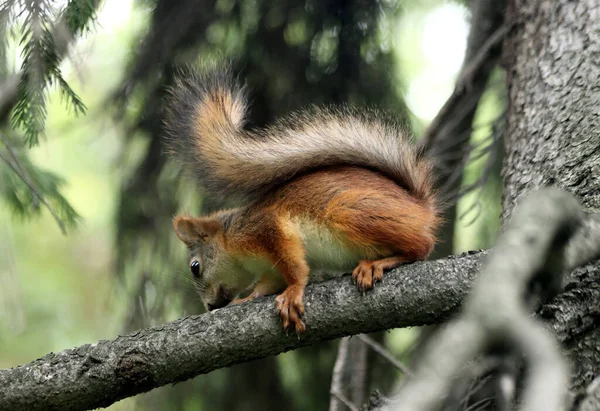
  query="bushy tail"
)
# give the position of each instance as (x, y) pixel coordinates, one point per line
(205, 125)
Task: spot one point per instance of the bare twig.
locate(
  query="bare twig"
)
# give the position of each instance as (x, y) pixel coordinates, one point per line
(340, 397)
(476, 62)
(532, 250)
(381, 350)
(349, 375)
(356, 369)
(337, 376)
(481, 404)
(487, 32)
(447, 137)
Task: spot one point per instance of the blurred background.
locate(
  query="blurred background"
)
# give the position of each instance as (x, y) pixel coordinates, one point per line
(104, 173)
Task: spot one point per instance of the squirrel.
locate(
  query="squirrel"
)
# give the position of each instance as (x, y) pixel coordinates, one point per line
(336, 189)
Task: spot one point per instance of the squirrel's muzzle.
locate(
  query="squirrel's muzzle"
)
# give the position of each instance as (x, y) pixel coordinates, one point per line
(222, 298)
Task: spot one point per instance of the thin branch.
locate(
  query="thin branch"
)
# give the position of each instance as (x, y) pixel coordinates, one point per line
(483, 46)
(337, 377)
(340, 397)
(447, 137)
(356, 371)
(381, 350)
(531, 250)
(476, 63)
(479, 405)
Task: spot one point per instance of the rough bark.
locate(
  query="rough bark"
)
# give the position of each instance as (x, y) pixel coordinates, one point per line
(97, 375)
(553, 64)
(553, 72)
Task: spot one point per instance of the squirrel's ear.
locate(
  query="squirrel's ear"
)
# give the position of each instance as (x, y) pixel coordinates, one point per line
(195, 230)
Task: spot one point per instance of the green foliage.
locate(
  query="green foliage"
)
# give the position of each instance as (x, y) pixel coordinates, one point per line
(79, 15)
(43, 36)
(44, 42)
(26, 188)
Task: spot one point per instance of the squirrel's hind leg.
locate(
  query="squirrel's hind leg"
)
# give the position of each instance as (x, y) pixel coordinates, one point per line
(391, 227)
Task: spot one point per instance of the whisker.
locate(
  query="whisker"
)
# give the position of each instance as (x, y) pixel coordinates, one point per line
(180, 277)
(273, 266)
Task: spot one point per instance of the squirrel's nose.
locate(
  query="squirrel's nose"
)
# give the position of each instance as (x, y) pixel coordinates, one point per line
(221, 300)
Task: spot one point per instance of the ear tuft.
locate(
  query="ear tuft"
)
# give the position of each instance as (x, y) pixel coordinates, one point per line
(192, 230)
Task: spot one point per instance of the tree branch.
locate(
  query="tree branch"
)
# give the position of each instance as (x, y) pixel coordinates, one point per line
(99, 374)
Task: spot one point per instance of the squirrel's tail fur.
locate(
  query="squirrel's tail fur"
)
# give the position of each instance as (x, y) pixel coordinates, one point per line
(205, 120)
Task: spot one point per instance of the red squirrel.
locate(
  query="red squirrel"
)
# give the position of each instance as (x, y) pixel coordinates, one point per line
(336, 189)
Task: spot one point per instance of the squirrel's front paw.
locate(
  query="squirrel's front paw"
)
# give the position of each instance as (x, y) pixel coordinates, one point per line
(290, 307)
(366, 274)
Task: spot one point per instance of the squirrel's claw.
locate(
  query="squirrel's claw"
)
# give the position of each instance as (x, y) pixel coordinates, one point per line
(291, 309)
(366, 274)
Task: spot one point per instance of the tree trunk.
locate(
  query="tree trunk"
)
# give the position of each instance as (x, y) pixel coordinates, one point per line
(552, 56)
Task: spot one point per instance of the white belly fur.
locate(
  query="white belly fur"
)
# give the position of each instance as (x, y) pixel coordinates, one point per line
(327, 254)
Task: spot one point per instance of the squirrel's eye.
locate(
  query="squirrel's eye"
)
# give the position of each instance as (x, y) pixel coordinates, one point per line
(195, 268)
